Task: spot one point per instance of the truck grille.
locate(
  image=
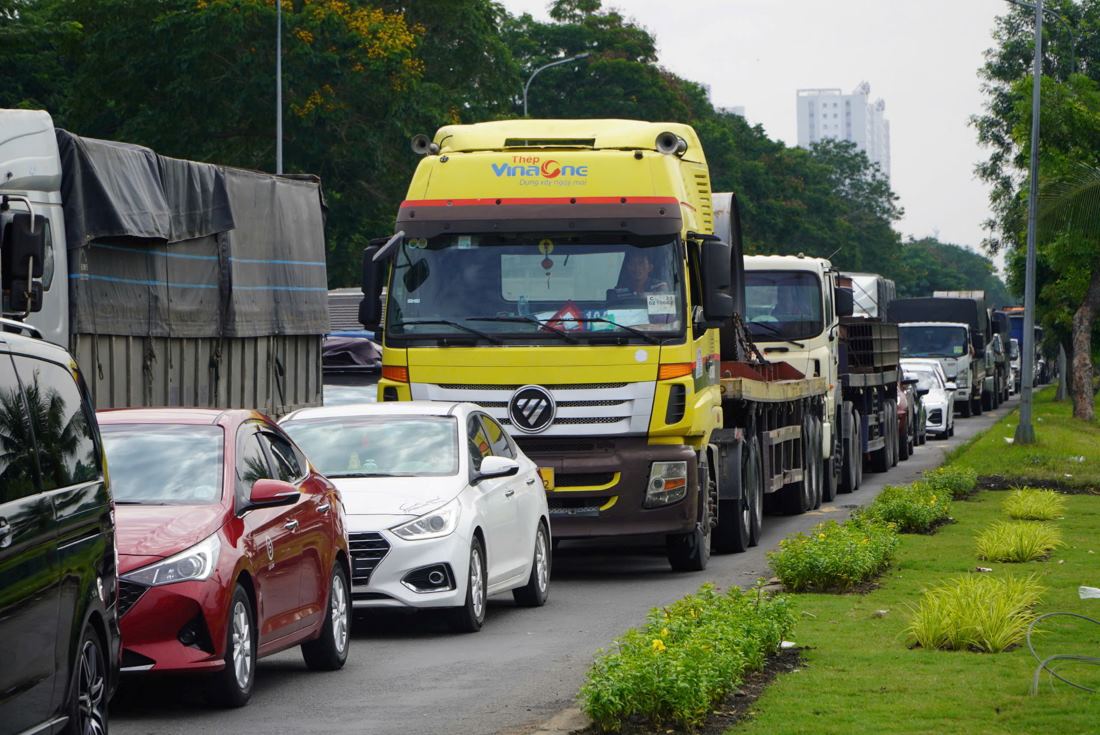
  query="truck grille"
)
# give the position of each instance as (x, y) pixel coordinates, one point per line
(128, 594)
(606, 409)
(367, 551)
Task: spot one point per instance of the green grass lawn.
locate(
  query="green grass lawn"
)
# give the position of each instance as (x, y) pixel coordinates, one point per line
(1056, 456)
(859, 677)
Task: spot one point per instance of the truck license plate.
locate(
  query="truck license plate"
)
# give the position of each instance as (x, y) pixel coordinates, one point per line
(547, 475)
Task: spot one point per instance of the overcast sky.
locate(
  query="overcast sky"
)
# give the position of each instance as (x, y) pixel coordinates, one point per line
(920, 56)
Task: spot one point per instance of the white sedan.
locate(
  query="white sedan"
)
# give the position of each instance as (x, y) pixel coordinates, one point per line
(443, 509)
(937, 393)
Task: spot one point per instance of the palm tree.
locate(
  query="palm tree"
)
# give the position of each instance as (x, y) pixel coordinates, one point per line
(1072, 204)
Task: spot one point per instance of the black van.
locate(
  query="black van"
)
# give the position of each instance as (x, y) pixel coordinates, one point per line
(59, 639)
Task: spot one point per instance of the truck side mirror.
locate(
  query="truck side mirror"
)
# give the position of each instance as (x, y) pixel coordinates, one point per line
(717, 282)
(979, 344)
(25, 239)
(844, 301)
(373, 278)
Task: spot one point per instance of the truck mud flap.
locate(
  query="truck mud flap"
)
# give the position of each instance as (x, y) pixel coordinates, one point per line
(730, 446)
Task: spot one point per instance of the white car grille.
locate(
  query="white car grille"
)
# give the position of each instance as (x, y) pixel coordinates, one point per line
(619, 409)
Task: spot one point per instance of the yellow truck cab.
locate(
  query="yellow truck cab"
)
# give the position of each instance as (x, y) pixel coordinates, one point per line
(565, 275)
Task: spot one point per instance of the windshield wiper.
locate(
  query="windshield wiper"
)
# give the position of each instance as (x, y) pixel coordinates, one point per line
(358, 474)
(138, 502)
(637, 332)
(776, 332)
(450, 323)
(527, 319)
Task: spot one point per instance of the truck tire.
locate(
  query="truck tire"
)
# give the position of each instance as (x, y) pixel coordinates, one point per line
(880, 458)
(817, 463)
(690, 552)
(853, 457)
(798, 497)
(978, 404)
(987, 401)
(905, 443)
(834, 464)
(737, 518)
(966, 408)
(892, 426)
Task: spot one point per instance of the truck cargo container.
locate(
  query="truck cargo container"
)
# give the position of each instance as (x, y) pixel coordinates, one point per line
(173, 283)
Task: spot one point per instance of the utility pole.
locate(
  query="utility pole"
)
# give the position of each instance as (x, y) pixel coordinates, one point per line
(1025, 432)
(278, 86)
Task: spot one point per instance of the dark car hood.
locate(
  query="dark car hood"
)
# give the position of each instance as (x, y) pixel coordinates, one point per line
(162, 530)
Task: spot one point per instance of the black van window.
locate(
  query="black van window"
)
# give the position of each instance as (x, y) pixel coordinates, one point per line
(66, 445)
(16, 444)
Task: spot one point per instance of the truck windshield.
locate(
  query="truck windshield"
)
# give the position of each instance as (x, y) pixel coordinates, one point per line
(537, 286)
(932, 341)
(783, 305)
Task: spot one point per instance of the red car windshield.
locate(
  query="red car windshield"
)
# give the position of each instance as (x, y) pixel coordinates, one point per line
(159, 464)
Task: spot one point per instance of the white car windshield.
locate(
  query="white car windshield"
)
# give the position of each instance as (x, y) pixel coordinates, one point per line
(926, 379)
(379, 446)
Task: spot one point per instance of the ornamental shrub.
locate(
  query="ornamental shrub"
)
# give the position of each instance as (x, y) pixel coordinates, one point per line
(834, 557)
(916, 508)
(687, 657)
(953, 482)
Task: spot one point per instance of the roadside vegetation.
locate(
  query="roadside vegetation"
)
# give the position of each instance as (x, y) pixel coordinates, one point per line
(1034, 505)
(916, 508)
(834, 557)
(1018, 541)
(687, 657)
(1065, 455)
(873, 662)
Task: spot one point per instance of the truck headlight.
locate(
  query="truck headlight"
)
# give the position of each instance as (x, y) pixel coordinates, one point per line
(191, 565)
(667, 483)
(437, 524)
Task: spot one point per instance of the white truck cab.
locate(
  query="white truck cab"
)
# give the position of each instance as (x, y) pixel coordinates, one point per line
(949, 344)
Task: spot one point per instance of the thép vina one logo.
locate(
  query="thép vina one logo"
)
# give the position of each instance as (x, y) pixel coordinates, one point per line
(532, 166)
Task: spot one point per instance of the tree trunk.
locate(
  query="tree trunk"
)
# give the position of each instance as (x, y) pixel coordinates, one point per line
(1082, 349)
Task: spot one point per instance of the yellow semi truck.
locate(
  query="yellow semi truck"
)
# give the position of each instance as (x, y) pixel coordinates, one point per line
(577, 280)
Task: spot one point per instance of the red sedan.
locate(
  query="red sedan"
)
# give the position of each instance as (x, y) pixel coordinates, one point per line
(231, 547)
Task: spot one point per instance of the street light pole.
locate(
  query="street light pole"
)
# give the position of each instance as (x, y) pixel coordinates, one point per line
(1025, 432)
(278, 86)
(547, 66)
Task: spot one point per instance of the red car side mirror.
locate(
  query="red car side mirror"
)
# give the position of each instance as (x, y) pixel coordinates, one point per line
(272, 493)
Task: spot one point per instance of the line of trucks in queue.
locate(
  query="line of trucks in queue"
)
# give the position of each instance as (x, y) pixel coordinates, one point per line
(576, 278)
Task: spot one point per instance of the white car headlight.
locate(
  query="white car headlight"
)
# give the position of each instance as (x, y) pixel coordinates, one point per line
(194, 564)
(437, 524)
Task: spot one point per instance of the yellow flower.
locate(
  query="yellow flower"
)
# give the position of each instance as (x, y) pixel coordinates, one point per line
(821, 536)
(664, 632)
(658, 645)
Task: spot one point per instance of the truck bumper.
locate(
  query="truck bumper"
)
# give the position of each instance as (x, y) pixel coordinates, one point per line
(600, 487)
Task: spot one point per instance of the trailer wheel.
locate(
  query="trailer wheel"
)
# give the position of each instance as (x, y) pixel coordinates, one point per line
(978, 404)
(966, 408)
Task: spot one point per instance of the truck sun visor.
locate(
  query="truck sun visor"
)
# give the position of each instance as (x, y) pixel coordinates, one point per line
(639, 216)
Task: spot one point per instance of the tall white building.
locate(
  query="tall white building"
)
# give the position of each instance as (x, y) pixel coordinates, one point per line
(829, 113)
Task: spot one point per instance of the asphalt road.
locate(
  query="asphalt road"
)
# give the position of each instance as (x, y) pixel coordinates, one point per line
(407, 674)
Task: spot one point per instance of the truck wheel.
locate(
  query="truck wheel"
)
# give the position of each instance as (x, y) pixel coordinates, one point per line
(690, 552)
(818, 463)
(904, 444)
(895, 427)
(734, 532)
(756, 493)
(880, 458)
(831, 472)
(798, 497)
(978, 404)
(966, 408)
(853, 457)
